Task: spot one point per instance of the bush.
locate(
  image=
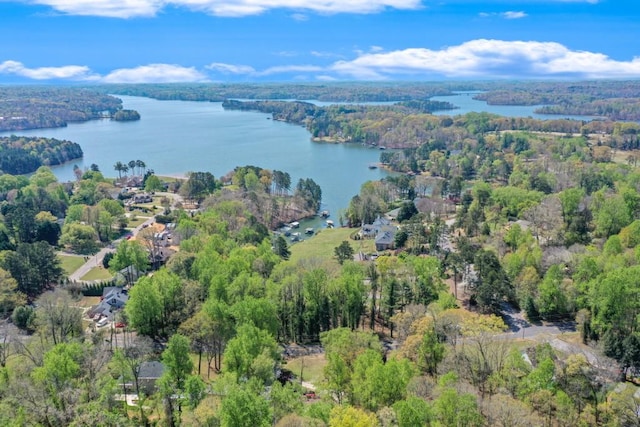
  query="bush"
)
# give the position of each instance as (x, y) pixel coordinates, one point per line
(107, 259)
(96, 289)
(24, 318)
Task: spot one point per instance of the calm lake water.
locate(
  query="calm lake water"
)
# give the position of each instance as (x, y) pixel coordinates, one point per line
(175, 137)
(466, 104)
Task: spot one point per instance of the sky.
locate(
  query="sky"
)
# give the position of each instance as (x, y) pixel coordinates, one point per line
(158, 41)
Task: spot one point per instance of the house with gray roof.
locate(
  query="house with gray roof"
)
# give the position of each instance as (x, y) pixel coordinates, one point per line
(382, 231)
(113, 299)
(148, 374)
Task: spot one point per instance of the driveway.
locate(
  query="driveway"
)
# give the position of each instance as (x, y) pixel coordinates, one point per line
(96, 260)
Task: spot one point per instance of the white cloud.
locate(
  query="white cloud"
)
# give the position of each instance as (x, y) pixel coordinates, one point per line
(325, 78)
(68, 72)
(231, 68)
(146, 8)
(506, 15)
(489, 58)
(513, 14)
(300, 17)
(290, 69)
(107, 8)
(155, 73)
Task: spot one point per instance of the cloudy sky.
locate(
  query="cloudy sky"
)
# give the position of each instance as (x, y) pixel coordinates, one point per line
(132, 41)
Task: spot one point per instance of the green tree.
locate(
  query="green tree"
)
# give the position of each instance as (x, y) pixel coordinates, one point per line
(281, 248)
(343, 252)
(153, 183)
(10, 297)
(348, 416)
(407, 211)
(177, 369)
(376, 384)
(452, 409)
(119, 167)
(241, 407)
(144, 308)
(79, 238)
(430, 352)
(35, 267)
(552, 302)
(60, 368)
(198, 186)
(610, 215)
(342, 347)
(130, 257)
(251, 353)
(492, 285)
(412, 412)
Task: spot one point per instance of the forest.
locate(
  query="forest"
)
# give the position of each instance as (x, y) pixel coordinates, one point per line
(21, 155)
(36, 107)
(507, 297)
(614, 100)
(408, 125)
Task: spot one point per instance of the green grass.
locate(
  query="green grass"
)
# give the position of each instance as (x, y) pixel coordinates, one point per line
(312, 370)
(71, 263)
(324, 243)
(137, 221)
(97, 273)
(88, 302)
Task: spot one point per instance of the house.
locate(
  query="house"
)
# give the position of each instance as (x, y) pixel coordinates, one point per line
(162, 238)
(142, 198)
(382, 231)
(113, 299)
(161, 256)
(384, 240)
(148, 374)
(369, 231)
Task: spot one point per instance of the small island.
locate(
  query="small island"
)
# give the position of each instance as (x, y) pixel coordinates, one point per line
(126, 116)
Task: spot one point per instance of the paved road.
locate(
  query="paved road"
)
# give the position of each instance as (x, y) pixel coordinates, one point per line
(96, 260)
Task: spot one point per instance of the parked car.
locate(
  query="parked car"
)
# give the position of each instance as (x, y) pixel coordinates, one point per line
(102, 322)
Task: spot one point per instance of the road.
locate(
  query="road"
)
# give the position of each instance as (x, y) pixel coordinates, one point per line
(96, 260)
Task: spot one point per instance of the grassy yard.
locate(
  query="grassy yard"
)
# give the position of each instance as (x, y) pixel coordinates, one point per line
(70, 263)
(137, 221)
(323, 244)
(88, 302)
(97, 273)
(312, 368)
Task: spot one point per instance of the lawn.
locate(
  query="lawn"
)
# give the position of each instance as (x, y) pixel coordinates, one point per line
(70, 263)
(97, 273)
(88, 302)
(324, 243)
(133, 223)
(312, 368)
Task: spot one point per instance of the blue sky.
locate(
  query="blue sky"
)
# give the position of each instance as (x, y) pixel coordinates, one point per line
(137, 41)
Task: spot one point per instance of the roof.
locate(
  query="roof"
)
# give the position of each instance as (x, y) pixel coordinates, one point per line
(113, 295)
(381, 221)
(153, 369)
(386, 237)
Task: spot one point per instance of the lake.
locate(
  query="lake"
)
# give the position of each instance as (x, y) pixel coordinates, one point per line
(175, 137)
(466, 104)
